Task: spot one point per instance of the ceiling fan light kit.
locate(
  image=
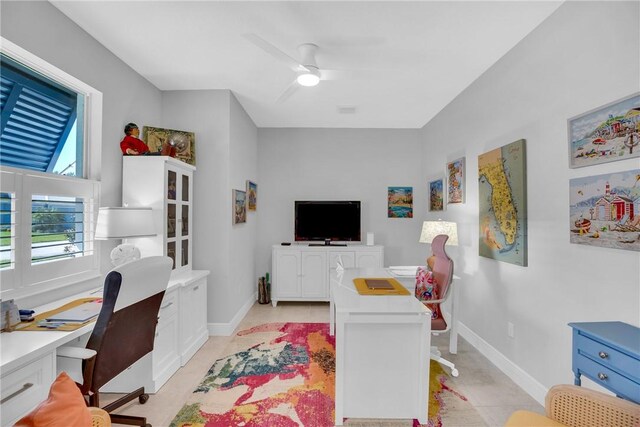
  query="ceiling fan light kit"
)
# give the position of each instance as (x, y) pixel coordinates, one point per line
(310, 77)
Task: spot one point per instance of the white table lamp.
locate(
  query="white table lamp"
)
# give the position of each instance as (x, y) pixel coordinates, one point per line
(123, 223)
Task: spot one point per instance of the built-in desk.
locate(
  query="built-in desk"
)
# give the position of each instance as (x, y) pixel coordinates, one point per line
(28, 358)
(382, 351)
(28, 363)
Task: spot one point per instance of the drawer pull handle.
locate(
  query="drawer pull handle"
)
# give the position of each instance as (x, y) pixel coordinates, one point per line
(602, 376)
(24, 388)
(165, 306)
(195, 288)
(603, 355)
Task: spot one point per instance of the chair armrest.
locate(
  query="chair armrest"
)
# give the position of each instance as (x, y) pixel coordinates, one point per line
(581, 407)
(75, 352)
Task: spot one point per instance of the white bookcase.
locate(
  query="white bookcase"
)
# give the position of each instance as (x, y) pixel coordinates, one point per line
(165, 185)
(301, 272)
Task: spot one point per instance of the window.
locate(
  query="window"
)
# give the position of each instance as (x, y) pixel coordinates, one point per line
(49, 157)
(39, 128)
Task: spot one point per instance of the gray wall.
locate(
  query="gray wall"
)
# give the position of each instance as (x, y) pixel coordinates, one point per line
(585, 55)
(340, 164)
(43, 30)
(226, 156)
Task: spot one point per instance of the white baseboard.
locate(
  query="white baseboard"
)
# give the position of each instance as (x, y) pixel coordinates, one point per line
(227, 329)
(510, 369)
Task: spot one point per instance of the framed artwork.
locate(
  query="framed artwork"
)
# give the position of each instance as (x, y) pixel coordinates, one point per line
(606, 134)
(252, 195)
(502, 192)
(400, 202)
(184, 142)
(604, 210)
(455, 181)
(239, 206)
(436, 195)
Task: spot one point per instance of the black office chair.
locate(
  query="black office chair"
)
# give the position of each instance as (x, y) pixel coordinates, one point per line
(124, 332)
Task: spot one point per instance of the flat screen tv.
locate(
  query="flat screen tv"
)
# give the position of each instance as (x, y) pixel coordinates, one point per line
(327, 221)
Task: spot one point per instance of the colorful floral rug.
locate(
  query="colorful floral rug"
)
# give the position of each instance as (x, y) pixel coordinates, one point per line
(282, 375)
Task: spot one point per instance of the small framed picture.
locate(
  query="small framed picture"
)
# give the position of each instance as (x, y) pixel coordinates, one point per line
(455, 181)
(606, 134)
(252, 195)
(436, 195)
(400, 202)
(239, 206)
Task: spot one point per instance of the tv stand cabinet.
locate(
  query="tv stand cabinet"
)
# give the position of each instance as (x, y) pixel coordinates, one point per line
(301, 272)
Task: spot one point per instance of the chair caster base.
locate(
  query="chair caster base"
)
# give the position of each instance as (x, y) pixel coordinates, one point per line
(143, 398)
(454, 373)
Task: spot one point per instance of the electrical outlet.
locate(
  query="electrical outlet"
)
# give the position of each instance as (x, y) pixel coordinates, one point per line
(510, 330)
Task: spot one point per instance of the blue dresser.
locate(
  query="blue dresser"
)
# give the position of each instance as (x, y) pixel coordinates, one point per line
(609, 354)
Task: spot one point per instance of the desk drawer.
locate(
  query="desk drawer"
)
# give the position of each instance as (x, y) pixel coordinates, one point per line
(610, 379)
(608, 356)
(24, 388)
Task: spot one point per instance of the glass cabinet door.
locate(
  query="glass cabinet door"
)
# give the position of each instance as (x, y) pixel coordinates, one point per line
(178, 211)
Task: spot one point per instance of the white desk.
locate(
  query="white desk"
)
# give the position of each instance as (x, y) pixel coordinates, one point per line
(28, 358)
(28, 362)
(382, 351)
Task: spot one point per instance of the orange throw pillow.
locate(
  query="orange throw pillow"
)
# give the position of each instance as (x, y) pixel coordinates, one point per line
(64, 407)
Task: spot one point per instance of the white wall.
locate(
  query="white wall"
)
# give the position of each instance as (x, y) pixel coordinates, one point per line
(243, 166)
(585, 55)
(226, 156)
(43, 30)
(340, 164)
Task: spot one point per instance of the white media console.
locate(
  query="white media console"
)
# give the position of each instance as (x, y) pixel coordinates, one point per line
(301, 272)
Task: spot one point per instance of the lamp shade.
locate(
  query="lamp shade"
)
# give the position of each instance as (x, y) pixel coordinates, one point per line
(121, 223)
(431, 229)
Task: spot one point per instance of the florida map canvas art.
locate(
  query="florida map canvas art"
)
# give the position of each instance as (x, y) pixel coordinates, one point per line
(503, 204)
(605, 210)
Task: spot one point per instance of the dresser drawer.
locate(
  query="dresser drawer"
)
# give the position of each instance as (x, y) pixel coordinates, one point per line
(608, 356)
(608, 378)
(24, 388)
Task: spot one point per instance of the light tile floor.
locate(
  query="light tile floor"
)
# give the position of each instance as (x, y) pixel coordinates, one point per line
(491, 392)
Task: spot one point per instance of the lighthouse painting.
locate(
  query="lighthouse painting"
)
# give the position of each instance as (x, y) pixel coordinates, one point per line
(605, 210)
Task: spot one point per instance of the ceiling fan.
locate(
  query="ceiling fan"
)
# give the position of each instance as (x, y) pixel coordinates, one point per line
(307, 71)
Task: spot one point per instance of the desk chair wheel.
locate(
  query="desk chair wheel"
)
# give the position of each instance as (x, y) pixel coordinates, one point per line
(454, 372)
(143, 399)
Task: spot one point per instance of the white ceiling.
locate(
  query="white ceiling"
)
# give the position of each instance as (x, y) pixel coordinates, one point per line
(415, 57)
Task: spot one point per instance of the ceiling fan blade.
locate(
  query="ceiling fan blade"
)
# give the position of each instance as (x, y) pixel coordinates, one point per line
(290, 90)
(275, 52)
(363, 74)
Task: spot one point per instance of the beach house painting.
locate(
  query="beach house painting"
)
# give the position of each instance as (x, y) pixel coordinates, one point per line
(606, 134)
(605, 210)
(400, 202)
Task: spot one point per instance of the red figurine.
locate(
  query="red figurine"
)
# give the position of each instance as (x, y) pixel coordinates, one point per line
(131, 144)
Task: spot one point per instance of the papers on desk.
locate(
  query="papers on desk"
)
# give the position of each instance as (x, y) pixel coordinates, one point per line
(79, 314)
(403, 270)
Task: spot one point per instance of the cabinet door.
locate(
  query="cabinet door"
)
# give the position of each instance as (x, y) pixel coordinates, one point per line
(348, 259)
(368, 260)
(286, 280)
(165, 346)
(179, 214)
(185, 220)
(314, 275)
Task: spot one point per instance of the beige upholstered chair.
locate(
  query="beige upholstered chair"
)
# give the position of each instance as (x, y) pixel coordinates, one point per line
(573, 406)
